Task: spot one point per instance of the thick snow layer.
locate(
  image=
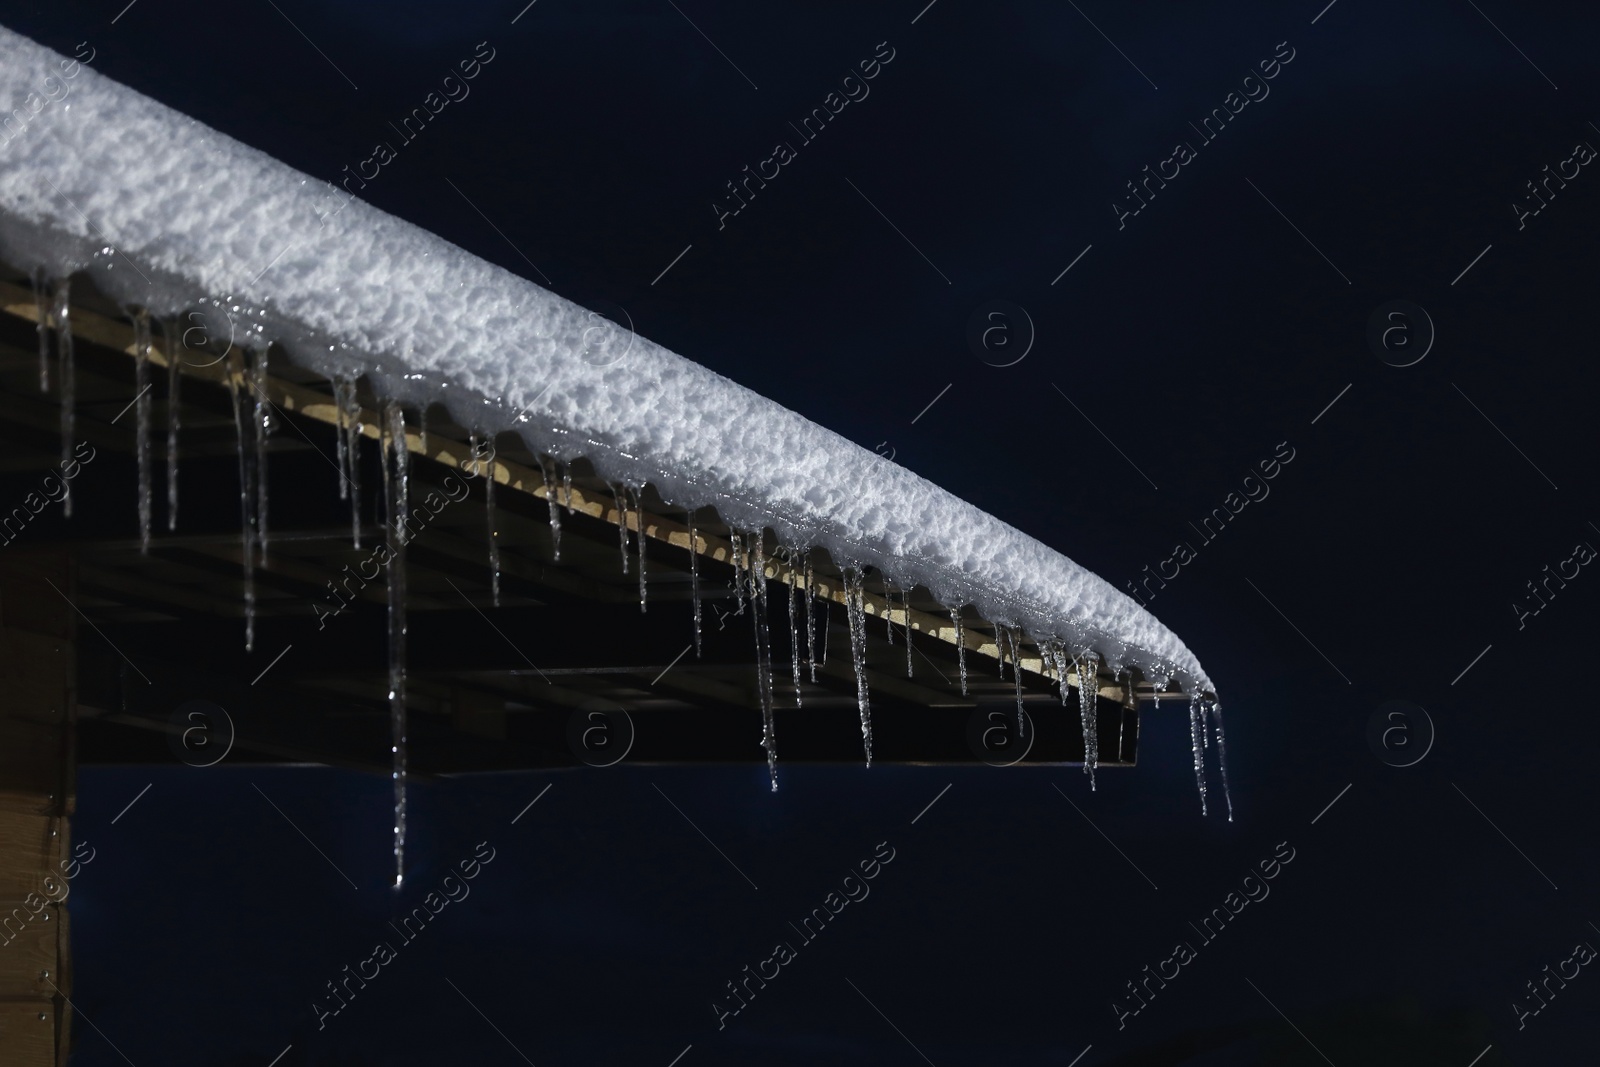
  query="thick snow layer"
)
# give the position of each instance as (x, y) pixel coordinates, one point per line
(171, 215)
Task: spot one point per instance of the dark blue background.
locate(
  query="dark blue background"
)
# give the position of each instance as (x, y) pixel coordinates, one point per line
(1198, 338)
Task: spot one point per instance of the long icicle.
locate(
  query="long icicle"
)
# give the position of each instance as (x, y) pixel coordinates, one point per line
(141, 433)
(1088, 711)
(486, 467)
(888, 612)
(351, 411)
(1014, 639)
(961, 647)
(1058, 658)
(554, 507)
(41, 307)
(620, 501)
(263, 430)
(169, 340)
(247, 525)
(67, 373)
(1199, 751)
(905, 608)
(638, 516)
(493, 531)
(396, 472)
(811, 632)
(340, 408)
(755, 572)
(758, 613)
(827, 626)
(1222, 755)
(792, 580)
(855, 608)
(736, 540)
(694, 578)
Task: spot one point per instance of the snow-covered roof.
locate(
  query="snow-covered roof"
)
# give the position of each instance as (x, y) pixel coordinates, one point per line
(173, 216)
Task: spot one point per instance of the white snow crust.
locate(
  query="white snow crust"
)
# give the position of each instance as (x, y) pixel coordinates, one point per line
(171, 215)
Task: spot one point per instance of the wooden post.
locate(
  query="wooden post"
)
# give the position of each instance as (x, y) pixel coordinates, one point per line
(38, 712)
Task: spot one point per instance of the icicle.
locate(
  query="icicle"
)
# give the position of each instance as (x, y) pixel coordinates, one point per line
(638, 515)
(555, 508)
(41, 308)
(694, 580)
(1016, 674)
(736, 540)
(758, 613)
(566, 482)
(485, 460)
(758, 569)
(141, 406)
(1088, 701)
(396, 471)
(1222, 754)
(961, 647)
(67, 372)
(247, 523)
(621, 502)
(811, 634)
(263, 428)
(422, 430)
(855, 608)
(755, 567)
(1199, 752)
(905, 608)
(1000, 649)
(793, 583)
(1058, 656)
(888, 612)
(827, 626)
(340, 408)
(169, 340)
(350, 416)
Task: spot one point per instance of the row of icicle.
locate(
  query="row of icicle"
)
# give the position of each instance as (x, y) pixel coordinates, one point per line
(254, 421)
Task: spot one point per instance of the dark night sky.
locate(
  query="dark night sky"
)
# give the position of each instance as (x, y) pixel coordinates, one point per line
(1198, 337)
